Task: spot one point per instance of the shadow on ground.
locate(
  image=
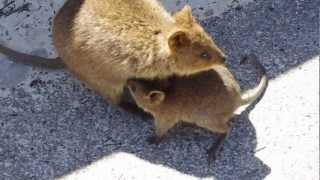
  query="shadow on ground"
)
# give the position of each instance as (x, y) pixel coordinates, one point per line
(53, 126)
(58, 133)
(283, 34)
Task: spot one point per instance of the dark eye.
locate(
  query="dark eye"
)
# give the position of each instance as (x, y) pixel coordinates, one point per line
(205, 55)
(133, 88)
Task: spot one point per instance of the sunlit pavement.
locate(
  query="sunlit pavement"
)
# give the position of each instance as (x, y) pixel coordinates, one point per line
(52, 127)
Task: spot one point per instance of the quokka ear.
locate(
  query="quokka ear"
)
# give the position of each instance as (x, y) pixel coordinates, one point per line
(156, 97)
(178, 40)
(184, 16)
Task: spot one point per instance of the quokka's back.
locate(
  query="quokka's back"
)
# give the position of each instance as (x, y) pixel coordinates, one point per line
(106, 42)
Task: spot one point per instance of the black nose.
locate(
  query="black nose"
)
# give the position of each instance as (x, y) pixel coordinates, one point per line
(223, 59)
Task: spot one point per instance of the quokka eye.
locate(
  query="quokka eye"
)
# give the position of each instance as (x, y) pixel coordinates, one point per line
(205, 55)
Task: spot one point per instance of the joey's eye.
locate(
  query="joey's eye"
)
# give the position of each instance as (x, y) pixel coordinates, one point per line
(205, 55)
(133, 88)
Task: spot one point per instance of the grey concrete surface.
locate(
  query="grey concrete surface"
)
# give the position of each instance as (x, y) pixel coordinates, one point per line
(52, 127)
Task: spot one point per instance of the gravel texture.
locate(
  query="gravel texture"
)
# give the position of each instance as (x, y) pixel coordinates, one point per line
(52, 126)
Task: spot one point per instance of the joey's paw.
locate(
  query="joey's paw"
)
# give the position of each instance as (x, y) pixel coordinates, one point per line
(212, 156)
(213, 153)
(154, 140)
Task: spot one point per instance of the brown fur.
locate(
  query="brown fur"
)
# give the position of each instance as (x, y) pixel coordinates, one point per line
(208, 99)
(107, 42)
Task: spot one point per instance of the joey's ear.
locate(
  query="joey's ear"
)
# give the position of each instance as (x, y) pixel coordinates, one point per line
(184, 16)
(156, 97)
(178, 40)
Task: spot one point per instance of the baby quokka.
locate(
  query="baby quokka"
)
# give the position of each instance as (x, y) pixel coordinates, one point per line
(208, 99)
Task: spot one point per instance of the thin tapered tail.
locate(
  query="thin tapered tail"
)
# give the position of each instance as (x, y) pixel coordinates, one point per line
(31, 60)
(250, 96)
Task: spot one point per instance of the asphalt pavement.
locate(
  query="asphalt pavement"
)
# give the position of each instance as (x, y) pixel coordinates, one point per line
(52, 127)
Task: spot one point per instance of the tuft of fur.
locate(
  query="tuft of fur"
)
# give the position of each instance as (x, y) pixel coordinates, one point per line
(105, 43)
(208, 99)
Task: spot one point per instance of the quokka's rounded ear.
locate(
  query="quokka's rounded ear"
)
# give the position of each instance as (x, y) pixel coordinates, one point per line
(184, 16)
(178, 40)
(156, 97)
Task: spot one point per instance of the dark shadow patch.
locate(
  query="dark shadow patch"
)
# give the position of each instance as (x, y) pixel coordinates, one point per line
(64, 130)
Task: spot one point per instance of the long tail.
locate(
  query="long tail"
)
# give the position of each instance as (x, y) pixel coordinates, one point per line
(30, 60)
(251, 95)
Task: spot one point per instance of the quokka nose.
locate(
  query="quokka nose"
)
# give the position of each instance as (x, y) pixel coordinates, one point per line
(223, 59)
